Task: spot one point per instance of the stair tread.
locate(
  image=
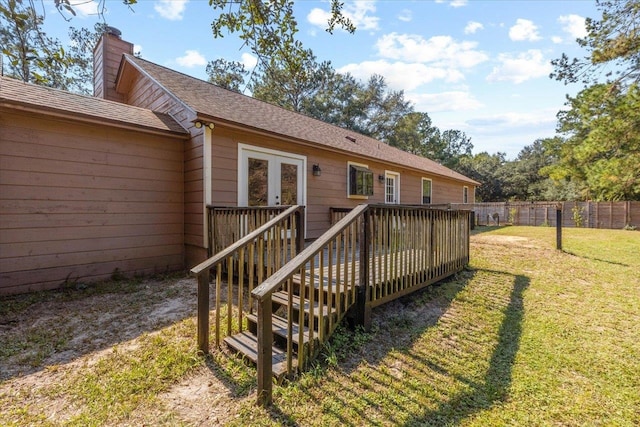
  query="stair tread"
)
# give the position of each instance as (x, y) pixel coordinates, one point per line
(282, 298)
(280, 326)
(326, 284)
(246, 343)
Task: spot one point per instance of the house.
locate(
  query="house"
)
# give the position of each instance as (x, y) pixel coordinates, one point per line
(119, 182)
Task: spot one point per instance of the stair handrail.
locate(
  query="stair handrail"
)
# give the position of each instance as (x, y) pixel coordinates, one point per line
(201, 271)
(263, 292)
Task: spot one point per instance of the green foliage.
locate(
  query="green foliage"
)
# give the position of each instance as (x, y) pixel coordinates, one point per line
(268, 29)
(602, 149)
(613, 41)
(487, 169)
(227, 74)
(578, 212)
(33, 57)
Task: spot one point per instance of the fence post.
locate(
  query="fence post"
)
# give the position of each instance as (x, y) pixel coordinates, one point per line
(559, 226)
(363, 308)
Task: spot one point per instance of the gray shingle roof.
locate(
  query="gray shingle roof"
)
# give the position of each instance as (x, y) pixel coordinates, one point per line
(17, 93)
(215, 102)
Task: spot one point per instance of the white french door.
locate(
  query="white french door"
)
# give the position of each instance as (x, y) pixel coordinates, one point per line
(270, 178)
(392, 188)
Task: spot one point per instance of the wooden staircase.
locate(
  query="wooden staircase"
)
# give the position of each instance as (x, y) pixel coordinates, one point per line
(317, 324)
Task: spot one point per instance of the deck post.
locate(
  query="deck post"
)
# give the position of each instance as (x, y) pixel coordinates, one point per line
(203, 312)
(265, 344)
(299, 215)
(363, 308)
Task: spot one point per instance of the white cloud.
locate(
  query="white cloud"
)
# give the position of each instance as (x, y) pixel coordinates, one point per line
(472, 27)
(574, 25)
(171, 9)
(524, 30)
(517, 69)
(400, 75)
(444, 101)
(249, 61)
(454, 3)
(192, 58)
(85, 8)
(442, 51)
(556, 39)
(357, 11)
(405, 15)
(458, 3)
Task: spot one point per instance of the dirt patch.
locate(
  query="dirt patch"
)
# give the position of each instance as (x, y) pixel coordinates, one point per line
(492, 239)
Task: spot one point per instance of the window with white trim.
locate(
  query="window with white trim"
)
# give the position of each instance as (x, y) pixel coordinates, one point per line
(465, 194)
(426, 191)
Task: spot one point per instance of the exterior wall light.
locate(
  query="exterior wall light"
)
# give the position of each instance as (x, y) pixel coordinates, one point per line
(381, 178)
(316, 170)
(199, 124)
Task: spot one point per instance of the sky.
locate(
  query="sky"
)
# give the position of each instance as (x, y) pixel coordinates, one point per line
(478, 66)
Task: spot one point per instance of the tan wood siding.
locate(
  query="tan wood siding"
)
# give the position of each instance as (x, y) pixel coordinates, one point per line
(79, 201)
(327, 190)
(145, 93)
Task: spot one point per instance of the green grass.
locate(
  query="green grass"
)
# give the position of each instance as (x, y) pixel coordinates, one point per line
(526, 336)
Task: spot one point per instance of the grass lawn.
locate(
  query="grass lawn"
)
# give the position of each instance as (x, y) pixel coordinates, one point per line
(527, 335)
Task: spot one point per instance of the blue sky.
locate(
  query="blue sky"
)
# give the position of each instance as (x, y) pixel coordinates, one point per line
(478, 66)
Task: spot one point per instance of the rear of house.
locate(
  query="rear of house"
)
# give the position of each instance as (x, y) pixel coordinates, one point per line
(154, 152)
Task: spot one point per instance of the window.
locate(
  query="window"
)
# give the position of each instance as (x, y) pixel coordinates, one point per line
(360, 180)
(465, 194)
(426, 191)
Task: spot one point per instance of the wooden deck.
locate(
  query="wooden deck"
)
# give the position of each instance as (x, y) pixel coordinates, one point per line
(374, 254)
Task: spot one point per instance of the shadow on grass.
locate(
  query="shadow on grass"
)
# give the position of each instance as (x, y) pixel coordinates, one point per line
(497, 380)
(387, 376)
(486, 228)
(595, 259)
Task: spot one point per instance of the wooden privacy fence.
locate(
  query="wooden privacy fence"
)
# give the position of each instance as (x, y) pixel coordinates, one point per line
(613, 215)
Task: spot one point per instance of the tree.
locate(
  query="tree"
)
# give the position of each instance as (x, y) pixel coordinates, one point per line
(487, 169)
(32, 56)
(451, 147)
(291, 83)
(602, 149)
(614, 41)
(523, 180)
(415, 133)
(227, 74)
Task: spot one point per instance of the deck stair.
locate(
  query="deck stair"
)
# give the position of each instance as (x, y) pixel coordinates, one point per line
(245, 343)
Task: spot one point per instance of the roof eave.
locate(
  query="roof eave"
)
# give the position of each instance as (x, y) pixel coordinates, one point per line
(85, 118)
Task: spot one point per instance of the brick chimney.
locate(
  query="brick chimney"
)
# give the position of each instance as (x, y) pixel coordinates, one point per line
(106, 61)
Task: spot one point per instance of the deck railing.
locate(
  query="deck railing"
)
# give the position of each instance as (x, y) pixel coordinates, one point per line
(373, 254)
(411, 247)
(228, 224)
(246, 262)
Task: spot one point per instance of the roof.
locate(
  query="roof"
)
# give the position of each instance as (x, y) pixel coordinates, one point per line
(29, 96)
(207, 99)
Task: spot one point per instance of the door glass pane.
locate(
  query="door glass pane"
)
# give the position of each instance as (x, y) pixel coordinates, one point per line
(289, 184)
(258, 182)
(426, 192)
(390, 190)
